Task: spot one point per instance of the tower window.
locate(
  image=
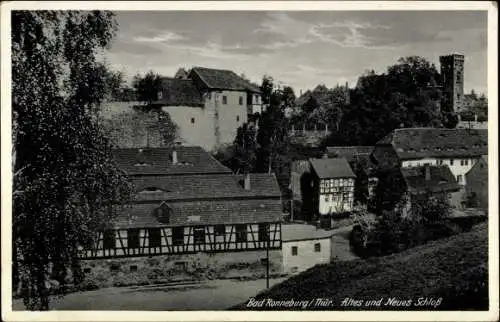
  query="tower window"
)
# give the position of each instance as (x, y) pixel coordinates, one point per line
(192, 120)
(241, 100)
(237, 118)
(224, 99)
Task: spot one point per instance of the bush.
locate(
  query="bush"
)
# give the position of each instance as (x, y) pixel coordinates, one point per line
(89, 285)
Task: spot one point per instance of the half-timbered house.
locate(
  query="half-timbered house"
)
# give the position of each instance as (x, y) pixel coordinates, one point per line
(186, 202)
(333, 185)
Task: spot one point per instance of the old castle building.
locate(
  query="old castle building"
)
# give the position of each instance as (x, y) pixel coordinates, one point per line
(452, 74)
(208, 105)
(187, 202)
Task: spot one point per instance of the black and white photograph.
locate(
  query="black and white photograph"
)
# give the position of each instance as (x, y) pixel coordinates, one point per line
(249, 160)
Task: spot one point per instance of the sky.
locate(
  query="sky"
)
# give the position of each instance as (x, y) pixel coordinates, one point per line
(298, 48)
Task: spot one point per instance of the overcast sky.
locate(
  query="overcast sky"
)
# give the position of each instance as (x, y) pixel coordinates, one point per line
(300, 49)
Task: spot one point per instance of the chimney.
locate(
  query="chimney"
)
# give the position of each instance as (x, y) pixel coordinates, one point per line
(427, 172)
(174, 156)
(247, 181)
(475, 117)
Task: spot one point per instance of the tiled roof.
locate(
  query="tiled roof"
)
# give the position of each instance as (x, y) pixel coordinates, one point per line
(332, 168)
(411, 143)
(202, 213)
(349, 152)
(207, 186)
(179, 92)
(441, 179)
(158, 161)
(223, 79)
(296, 232)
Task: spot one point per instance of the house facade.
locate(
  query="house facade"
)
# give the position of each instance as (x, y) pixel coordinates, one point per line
(186, 202)
(459, 149)
(477, 184)
(431, 180)
(332, 186)
(305, 246)
(208, 105)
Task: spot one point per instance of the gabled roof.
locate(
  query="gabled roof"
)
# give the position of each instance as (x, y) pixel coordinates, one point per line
(179, 92)
(350, 152)
(304, 98)
(206, 186)
(441, 179)
(158, 161)
(298, 232)
(192, 213)
(332, 168)
(223, 79)
(414, 143)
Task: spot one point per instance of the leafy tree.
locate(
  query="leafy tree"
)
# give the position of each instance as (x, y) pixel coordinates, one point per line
(147, 87)
(361, 181)
(267, 89)
(430, 209)
(65, 184)
(407, 95)
(390, 189)
(244, 150)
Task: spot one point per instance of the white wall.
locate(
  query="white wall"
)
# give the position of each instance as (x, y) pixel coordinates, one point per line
(331, 202)
(457, 168)
(306, 256)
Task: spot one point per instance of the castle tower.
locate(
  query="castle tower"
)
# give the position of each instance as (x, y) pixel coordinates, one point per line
(452, 75)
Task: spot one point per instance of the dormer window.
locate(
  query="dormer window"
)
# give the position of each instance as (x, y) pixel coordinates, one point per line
(141, 164)
(152, 189)
(163, 213)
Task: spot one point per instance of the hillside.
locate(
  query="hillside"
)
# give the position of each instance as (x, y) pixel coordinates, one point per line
(454, 269)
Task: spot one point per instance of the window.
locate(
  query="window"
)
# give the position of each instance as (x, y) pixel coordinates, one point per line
(327, 198)
(154, 237)
(240, 101)
(241, 233)
(317, 247)
(263, 232)
(220, 230)
(108, 239)
(237, 118)
(295, 250)
(466, 162)
(133, 238)
(451, 161)
(160, 95)
(224, 99)
(199, 235)
(192, 120)
(459, 178)
(178, 236)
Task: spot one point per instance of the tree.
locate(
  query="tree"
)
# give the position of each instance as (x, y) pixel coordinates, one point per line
(390, 189)
(244, 149)
(66, 186)
(267, 89)
(147, 87)
(361, 182)
(407, 95)
(431, 209)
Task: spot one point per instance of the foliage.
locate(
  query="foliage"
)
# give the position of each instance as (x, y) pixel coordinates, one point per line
(138, 128)
(360, 169)
(147, 87)
(407, 95)
(65, 184)
(244, 149)
(430, 209)
(389, 191)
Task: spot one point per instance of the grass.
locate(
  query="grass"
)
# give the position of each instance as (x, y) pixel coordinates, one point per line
(454, 268)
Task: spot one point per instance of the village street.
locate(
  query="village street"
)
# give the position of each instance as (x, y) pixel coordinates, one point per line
(210, 295)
